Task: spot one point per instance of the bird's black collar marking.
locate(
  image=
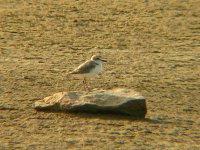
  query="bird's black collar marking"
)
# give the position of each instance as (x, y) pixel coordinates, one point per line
(96, 63)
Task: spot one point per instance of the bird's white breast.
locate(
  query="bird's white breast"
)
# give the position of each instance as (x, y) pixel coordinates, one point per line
(97, 69)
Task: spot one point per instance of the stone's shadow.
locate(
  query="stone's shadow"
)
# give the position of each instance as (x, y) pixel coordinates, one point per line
(155, 121)
(119, 117)
(108, 116)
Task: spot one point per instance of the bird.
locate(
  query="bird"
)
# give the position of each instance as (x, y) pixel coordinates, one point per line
(89, 68)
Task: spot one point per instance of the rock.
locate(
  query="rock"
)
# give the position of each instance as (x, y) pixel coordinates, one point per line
(118, 101)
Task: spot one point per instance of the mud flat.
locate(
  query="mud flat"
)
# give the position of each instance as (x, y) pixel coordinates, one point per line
(152, 47)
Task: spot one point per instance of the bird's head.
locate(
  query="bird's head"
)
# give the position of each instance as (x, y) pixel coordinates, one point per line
(97, 58)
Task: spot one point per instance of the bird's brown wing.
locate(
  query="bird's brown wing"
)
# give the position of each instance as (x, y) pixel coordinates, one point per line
(85, 67)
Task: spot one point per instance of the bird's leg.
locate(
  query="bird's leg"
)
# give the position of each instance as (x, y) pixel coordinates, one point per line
(85, 84)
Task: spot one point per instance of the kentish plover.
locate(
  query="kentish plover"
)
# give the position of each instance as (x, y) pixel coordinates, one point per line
(89, 68)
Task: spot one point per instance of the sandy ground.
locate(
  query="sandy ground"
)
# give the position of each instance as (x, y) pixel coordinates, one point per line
(152, 47)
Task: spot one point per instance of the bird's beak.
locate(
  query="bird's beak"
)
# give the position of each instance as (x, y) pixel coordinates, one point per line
(103, 60)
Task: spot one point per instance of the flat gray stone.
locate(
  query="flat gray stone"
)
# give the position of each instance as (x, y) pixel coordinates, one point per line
(118, 101)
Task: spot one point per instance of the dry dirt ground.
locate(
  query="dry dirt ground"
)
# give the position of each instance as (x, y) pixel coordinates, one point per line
(152, 47)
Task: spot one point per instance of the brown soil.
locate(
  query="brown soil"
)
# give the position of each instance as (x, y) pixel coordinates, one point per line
(151, 46)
